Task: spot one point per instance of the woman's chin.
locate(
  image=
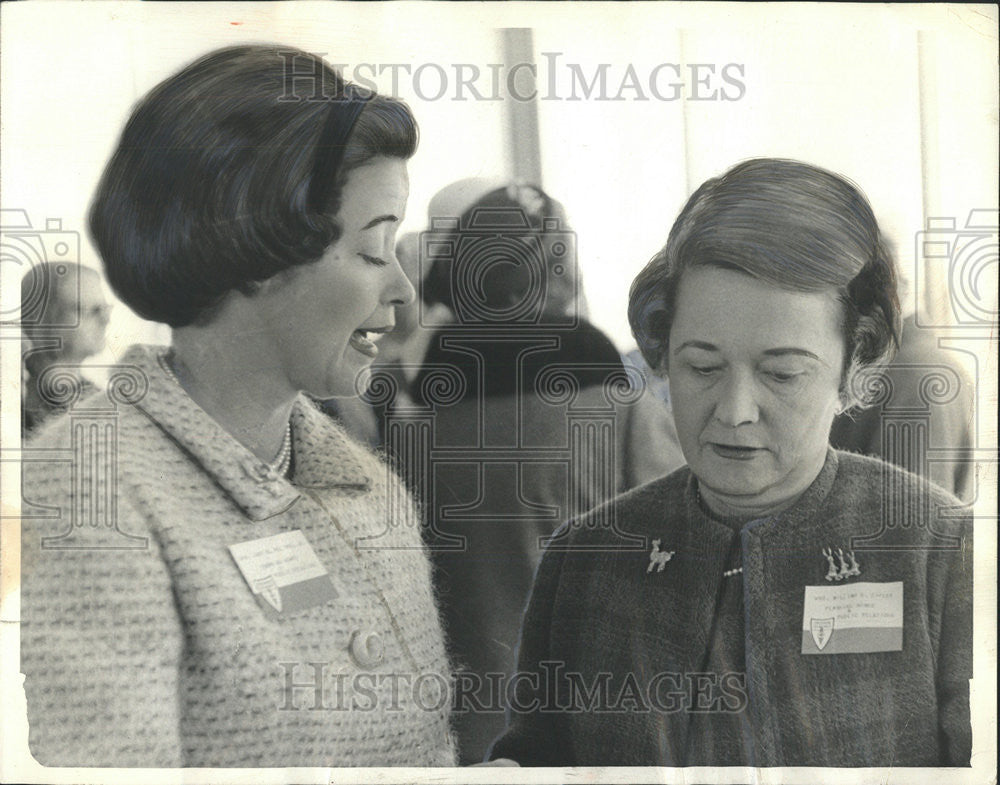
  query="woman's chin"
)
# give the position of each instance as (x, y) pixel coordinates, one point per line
(333, 387)
(736, 495)
(344, 385)
(736, 477)
(757, 492)
(739, 485)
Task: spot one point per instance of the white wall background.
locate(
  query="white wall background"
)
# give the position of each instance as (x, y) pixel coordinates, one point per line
(900, 99)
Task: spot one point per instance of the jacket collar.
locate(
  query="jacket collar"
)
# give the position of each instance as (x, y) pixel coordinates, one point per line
(804, 515)
(706, 548)
(324, 456)
(801, 513)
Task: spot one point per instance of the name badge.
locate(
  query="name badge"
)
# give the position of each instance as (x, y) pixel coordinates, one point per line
(853, 619)
(284, 573)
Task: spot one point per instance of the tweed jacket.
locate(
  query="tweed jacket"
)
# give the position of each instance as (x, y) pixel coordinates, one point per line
(622, 663)
(141, 641)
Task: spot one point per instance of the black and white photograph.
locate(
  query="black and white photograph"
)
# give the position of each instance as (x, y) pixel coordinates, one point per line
(483, 392)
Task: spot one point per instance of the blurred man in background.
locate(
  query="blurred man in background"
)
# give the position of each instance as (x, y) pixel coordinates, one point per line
(533, 422)
(64, 318)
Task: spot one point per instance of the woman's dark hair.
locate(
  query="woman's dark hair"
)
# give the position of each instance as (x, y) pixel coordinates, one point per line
(508, 244)
(792, 225)
(231, 171)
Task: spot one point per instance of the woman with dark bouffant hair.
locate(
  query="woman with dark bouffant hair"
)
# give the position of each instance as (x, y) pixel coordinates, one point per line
(793, 605)
(260, 596)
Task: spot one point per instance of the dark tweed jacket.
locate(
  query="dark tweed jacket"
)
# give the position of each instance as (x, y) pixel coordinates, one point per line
(623, 666)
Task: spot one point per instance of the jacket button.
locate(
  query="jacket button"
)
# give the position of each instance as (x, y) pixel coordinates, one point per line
(367, 649)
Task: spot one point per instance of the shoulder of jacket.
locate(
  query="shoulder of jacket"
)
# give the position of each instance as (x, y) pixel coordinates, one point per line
(639, 511)
(869, 475)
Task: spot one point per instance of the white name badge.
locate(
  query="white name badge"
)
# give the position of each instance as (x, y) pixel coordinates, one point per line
(853, 619)
(284, 573)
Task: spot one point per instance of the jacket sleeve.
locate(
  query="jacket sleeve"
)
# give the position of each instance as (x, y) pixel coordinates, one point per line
(101, 640)
(954, 662)
(535, 734)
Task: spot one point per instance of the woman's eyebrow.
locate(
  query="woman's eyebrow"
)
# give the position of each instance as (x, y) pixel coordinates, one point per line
(708, 347)
(377, 221)
(783, 350)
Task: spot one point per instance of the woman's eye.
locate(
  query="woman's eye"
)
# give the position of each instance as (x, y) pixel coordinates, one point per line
(378, 262)
(704, 370)
(783, 376)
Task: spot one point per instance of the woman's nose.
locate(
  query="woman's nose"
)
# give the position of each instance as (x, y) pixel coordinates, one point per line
(400, 290)
(737, 403)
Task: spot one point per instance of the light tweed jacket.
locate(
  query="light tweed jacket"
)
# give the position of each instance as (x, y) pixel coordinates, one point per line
(159, 655)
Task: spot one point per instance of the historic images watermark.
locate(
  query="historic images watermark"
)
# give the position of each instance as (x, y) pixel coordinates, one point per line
(953, 263)
(554, 78)
(90, 464)
(539, 261)
(321, 686)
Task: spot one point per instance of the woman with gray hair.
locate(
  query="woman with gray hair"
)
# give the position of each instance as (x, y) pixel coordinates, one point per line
(793, 605)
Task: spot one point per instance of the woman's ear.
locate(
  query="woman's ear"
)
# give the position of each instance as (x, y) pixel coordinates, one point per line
(263, 287)
(847, 397)
(269, 285)
(863, 386)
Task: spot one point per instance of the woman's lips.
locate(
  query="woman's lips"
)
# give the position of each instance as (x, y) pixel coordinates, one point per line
(359, 340)
(735, 452)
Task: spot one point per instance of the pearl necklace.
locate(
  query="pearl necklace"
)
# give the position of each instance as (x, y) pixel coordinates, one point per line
(701, 503)
(282, 462)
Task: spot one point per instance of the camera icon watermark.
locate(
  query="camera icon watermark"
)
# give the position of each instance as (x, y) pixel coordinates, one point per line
(28, 250)
(916, 431)
(497, 269)
(958, 260)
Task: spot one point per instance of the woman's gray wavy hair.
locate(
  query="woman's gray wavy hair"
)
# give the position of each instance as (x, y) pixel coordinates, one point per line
(790, 224)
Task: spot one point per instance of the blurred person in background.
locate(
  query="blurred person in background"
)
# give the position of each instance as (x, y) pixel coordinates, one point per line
(949, 420)
(262, 230)
(402, 351)
(64, 317)
(527, 366)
